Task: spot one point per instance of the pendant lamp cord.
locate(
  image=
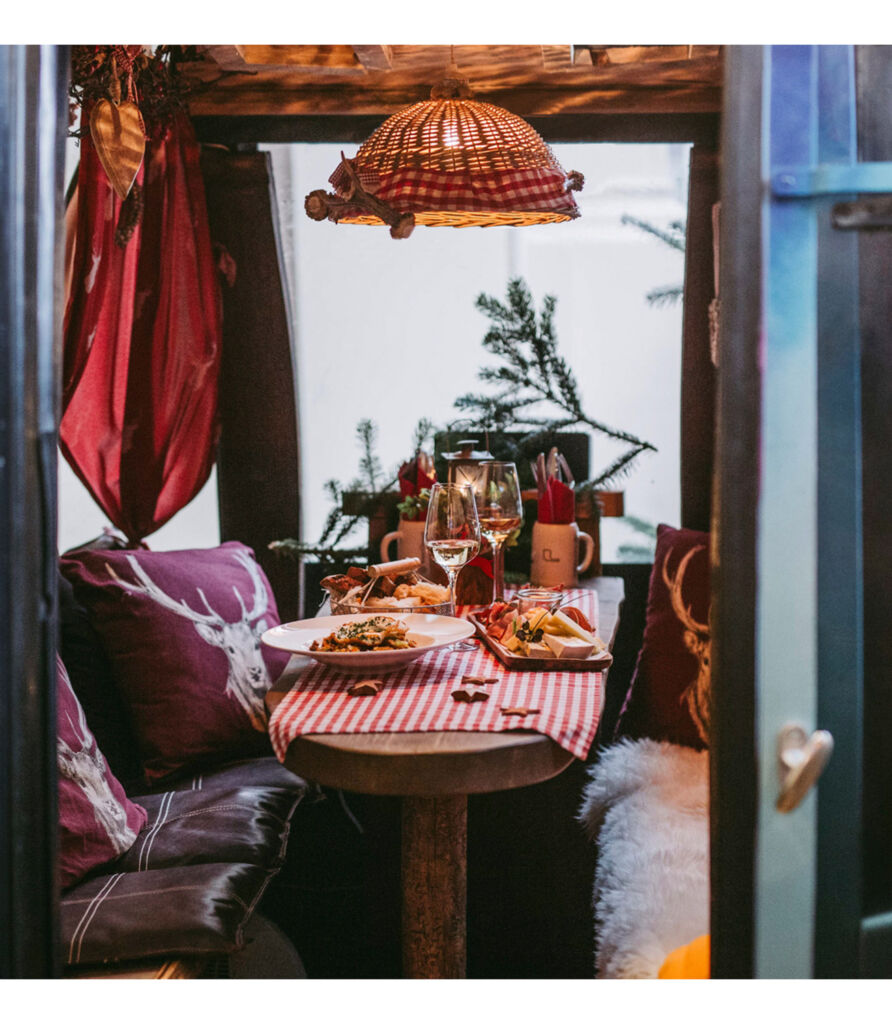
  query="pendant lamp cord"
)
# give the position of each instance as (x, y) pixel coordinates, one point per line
(453, 67)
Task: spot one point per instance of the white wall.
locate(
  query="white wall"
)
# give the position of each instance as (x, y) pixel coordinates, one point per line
(81, 519)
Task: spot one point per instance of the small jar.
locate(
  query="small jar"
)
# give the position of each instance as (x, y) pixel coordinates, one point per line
(529, 598)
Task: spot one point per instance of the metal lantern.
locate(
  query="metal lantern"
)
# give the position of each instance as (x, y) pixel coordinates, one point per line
(464, 463)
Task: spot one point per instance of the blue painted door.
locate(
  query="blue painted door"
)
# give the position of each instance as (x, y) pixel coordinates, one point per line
(808, 912)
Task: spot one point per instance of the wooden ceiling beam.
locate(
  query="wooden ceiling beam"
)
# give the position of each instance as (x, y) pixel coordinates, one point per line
(565, 58)
(312, 60)
(374, 58)
(227, 58)
(489, 77)
(523, 100)
(529, 80)
(650, 54)
(557, 58)
(696, 82)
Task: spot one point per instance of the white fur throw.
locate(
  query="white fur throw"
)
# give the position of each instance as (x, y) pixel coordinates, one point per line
(647, 805)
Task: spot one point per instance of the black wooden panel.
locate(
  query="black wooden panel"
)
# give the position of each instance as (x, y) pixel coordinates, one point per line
(258, 471)
(697, 370)
(627, 646)
(33, 117)
(699, 128)
(733, 760)
(876, 940)
(837, 932)
(874, 86)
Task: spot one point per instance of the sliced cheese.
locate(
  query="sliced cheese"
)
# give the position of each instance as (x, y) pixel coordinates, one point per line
(554, 625)
(535, 618)
(537, 650)
(567, 626)
(569, 646)
(512, 643)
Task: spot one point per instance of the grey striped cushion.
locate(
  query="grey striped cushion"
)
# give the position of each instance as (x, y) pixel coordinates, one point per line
(248, 825)
(193, 909)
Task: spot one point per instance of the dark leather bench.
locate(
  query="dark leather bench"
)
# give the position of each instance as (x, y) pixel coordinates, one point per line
(241, 849)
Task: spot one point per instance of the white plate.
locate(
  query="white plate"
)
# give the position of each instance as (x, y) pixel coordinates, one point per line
(430, 632)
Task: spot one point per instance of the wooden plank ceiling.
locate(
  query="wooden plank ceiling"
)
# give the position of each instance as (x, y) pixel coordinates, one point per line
(348, 80)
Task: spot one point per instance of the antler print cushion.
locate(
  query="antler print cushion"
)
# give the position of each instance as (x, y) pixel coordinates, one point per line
(669, 695)
(97, 822)
(182, 633)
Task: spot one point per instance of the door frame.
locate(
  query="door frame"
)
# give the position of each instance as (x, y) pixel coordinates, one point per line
(33, 125)
(733, 767)
(37, 79)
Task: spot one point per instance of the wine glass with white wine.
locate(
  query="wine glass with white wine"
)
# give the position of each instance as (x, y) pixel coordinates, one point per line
(500, 510)
(452, 530)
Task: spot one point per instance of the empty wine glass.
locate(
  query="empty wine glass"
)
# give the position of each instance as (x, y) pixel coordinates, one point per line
(500, 510)
(452, 530)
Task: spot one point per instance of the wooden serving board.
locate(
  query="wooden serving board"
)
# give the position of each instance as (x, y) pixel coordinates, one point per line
(596, 663)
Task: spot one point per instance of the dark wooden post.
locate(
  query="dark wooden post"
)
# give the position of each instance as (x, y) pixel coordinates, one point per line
(258, 468)
(697, 370)
(33, 117)
(434, 886)
(874, 81)
(733, 741)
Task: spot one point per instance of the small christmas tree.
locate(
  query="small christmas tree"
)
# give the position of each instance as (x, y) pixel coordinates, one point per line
(533, 376)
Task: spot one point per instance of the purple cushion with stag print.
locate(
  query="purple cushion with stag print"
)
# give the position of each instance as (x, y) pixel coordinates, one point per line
(97, 822)
(182, 633)
(669, 695)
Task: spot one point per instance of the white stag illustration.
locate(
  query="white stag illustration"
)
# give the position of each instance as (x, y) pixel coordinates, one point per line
(697, 641)
(248, 678)
(86, 768)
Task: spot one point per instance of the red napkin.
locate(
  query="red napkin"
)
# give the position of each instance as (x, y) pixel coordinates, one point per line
(558, 502)
(417, 475)
(484, 563)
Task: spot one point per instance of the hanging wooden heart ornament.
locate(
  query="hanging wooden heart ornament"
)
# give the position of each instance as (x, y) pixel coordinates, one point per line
(119, 136)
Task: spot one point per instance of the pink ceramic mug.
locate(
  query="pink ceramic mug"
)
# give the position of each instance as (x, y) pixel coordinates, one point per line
(409, 539)
(556, 559)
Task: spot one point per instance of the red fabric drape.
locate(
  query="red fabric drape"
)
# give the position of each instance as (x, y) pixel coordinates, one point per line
(142, 336)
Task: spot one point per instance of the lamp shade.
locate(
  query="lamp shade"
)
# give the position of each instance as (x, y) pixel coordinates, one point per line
(451, 161)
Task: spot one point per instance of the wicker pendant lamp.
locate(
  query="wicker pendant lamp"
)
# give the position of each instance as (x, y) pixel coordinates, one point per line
(449, 162)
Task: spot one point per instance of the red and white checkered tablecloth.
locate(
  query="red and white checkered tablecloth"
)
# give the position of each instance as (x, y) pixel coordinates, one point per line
(418, 698)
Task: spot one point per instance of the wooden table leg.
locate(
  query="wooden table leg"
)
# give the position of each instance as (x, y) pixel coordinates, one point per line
(434, 868)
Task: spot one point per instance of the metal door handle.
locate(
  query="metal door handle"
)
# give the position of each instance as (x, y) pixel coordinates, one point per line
(801, 759)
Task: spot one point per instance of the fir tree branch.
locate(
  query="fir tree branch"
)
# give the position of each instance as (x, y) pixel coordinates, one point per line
(674, 236)
(618, 469)
(424, 431)
(369, 463)
(661, 297)
(535, 373)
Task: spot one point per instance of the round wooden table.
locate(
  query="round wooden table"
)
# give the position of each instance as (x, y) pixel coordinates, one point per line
(434, 772)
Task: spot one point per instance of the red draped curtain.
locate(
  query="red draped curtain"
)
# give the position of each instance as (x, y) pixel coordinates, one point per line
(142, 336)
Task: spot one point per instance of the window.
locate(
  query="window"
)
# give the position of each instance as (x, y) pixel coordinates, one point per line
(81, 519)
(388, 330)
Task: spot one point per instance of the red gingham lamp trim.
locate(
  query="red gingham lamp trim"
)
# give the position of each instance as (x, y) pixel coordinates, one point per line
(419, 191)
